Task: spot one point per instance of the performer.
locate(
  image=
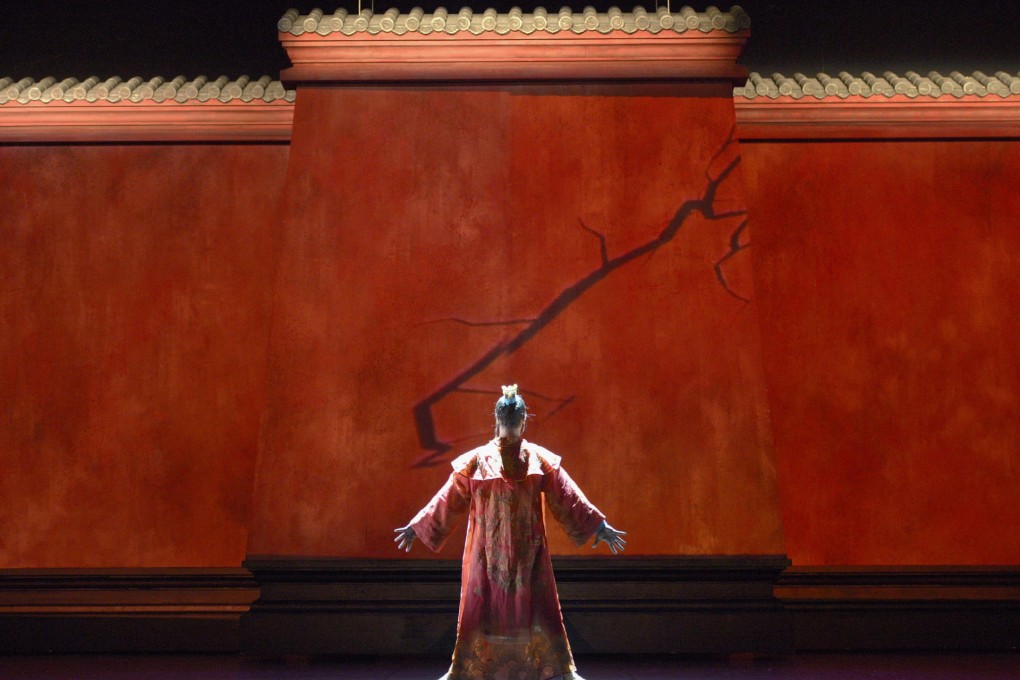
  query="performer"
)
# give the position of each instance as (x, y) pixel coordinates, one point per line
(510, 625)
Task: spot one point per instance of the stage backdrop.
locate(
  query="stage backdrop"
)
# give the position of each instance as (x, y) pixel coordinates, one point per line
(135, 284)
(889, 299)
(584, 241)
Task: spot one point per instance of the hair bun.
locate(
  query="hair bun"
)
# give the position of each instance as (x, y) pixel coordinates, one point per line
(510, 408)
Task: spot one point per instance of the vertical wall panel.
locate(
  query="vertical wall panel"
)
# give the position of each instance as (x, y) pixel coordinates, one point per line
(889, 295)
(441, 242)
(135, 287)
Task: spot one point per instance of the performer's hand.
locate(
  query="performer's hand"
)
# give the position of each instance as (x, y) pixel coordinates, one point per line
(612, 537)
(404, 539)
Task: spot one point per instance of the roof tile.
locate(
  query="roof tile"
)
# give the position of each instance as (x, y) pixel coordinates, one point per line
(889, 84)
(136, 89)
(796, 86)
(466, 20)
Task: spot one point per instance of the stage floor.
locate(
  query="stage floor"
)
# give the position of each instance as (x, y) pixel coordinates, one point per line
(799, 667)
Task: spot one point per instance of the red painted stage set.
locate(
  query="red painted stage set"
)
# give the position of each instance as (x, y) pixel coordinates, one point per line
(136, 297)
(889, 304)
(566, 240)
(791, 340)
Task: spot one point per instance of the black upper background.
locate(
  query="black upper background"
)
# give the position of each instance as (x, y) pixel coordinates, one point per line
(80, 39)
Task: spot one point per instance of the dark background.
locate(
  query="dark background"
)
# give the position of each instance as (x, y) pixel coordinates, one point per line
(231, 37)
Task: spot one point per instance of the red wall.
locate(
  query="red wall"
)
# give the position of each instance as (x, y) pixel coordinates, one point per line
(888, 281)
(136, 300)
(407, 209)
(135, 288)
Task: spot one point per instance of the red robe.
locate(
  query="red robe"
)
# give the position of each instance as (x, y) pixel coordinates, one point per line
(510, 625)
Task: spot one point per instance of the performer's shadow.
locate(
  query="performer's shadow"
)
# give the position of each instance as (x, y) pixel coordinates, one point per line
(579, 643)
(444, 642)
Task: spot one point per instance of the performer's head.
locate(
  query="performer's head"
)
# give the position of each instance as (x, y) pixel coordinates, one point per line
(511, 414)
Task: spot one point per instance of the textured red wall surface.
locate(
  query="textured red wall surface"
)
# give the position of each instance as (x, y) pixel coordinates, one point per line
(888, 287)
(426, 230)
(135, 286)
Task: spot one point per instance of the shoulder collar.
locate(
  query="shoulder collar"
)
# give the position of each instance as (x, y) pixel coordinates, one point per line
(484, 461)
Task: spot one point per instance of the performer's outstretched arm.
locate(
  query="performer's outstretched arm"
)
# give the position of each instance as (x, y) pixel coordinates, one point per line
(569, 505)
(434, 523)
(575, 512)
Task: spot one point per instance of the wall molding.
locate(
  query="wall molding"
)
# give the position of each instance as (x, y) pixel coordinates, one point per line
(362, 58)
(628, 605)
(147, 121)
(633, 605)
(758, 119)
(123, 610)
(903, 608)
(513, 47)
(896, 117)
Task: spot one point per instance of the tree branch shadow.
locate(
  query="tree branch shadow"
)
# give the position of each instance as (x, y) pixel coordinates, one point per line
(434, 448)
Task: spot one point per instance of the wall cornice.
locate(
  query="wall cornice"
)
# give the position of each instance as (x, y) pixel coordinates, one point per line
(893, 118)
(888, 106)
(209, 111)
(539, 46)
(137, 110)
(147, 122)
(487, 58)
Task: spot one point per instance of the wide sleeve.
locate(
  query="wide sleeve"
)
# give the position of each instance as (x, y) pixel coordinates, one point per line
(434, 523)
(569, 506)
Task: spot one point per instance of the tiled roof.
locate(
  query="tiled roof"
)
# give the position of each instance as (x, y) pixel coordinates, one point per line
(178, 89)
(888, 84)
(514, 21)
(775, 107)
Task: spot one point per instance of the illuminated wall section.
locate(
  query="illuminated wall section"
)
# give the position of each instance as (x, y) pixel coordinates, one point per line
(466, 208)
